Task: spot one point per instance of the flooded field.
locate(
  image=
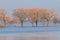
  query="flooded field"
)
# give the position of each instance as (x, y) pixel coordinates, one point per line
(39, 33)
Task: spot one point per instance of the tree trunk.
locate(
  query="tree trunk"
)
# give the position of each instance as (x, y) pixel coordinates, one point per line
(4, 22)
(43, 24)
(47, 24)
(21, 23)
(32, 25)
(36, 23)
(14, 25)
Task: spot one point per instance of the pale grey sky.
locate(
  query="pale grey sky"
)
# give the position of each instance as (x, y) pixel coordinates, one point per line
(11, 4)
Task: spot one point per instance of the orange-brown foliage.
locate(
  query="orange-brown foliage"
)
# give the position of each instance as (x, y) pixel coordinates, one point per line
(16, 20)
(7, 19)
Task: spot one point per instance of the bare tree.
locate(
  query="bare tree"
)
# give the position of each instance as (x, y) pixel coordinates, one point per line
(3, 12)
(7, 19)
(43, 15)
(20, 13)
(46, 15)
(33, 16)
(15, 21)
(55, 18)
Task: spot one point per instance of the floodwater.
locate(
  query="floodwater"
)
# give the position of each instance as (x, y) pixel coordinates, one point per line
(35, 33)
(30, 33)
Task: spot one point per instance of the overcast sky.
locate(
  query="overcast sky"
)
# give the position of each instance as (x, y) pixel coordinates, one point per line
(11, 4)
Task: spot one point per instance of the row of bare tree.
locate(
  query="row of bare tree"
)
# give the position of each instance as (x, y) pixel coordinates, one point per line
(32, 15)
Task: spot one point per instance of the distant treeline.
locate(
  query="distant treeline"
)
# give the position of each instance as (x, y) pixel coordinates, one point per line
(32, 15)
